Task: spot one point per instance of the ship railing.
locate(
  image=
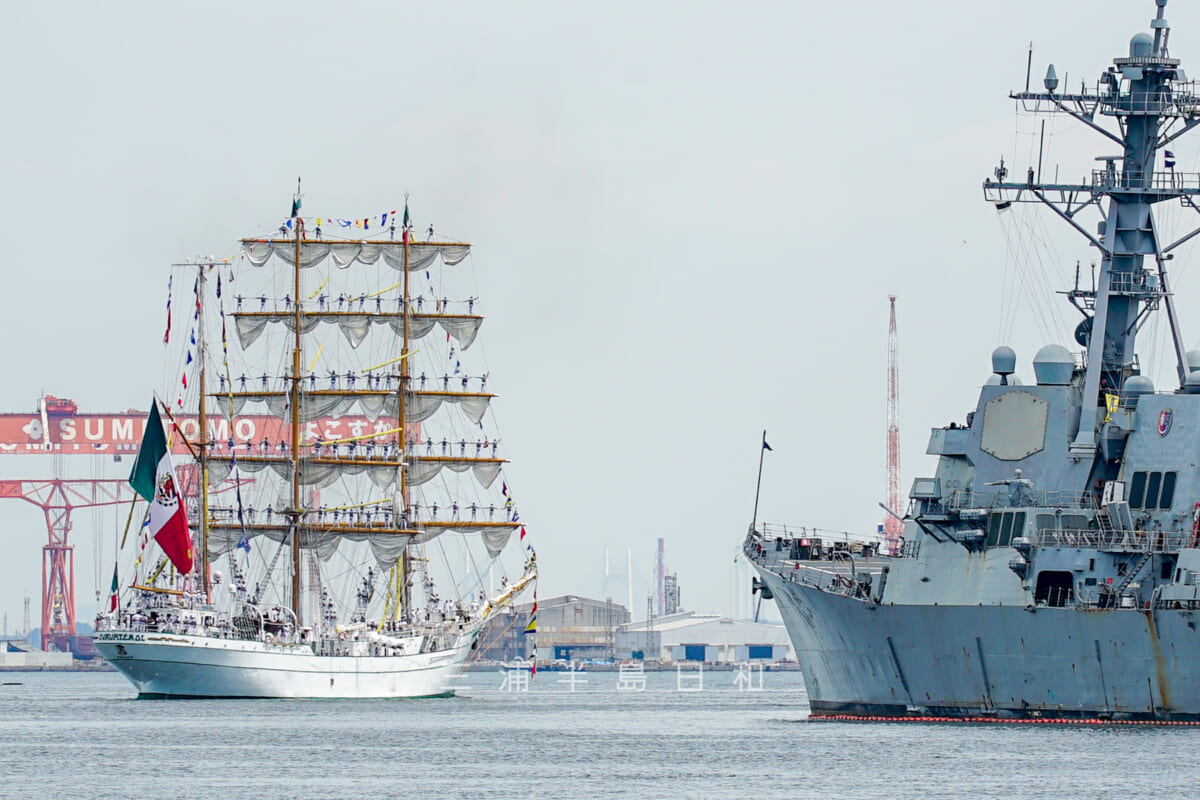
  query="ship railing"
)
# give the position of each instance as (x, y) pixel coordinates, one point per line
(827, 580)
(1114, 541)
(1178, 100)
(1164, 180)
(1108, 600)
(1182, 604)
(775, 530)
(1018, 497)
(1143, 283)
(769, 531)
(137, 620)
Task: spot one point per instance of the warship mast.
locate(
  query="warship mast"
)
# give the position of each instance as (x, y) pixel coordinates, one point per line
(1153, 104)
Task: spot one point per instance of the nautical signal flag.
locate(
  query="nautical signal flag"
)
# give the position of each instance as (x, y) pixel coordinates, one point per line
(533, 626)
(153, 477)
(1168, 159)
(167, 335)
(1111, 403)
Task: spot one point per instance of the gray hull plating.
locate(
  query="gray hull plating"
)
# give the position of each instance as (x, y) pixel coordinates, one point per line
(862, 658)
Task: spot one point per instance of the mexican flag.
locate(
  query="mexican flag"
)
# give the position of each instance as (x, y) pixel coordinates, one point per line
(113, 595)
(153, 477)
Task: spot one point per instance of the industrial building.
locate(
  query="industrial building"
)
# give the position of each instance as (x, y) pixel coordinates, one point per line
(572, 628)
(671, 596)
(20, 655)
(711, 638)
(569, 628)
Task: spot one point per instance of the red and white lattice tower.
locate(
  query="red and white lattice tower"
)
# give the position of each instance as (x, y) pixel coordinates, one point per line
(893, 528)
(660, 571)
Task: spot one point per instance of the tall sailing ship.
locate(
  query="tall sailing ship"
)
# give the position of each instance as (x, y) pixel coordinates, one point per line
(351, 520)
(1050, 566)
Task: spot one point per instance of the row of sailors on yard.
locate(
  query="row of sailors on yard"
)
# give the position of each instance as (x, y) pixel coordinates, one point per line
(346, 302)
(368, 448)
(371, 380)
(370, 515)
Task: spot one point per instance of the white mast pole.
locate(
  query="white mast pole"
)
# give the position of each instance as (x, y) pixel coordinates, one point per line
(629, 576)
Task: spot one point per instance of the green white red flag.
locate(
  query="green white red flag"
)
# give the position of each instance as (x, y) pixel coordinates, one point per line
(153, 477)
(113, 594)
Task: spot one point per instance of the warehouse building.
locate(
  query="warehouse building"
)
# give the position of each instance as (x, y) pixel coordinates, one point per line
(569, 628)
(711, 638)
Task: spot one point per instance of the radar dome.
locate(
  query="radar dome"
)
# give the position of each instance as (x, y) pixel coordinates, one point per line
(1192, 384)
(1053, 365)
(1135, 387)
(1004, 360)
(1193, 360)
(1141, 45)
(993, 380)
(1139, 384)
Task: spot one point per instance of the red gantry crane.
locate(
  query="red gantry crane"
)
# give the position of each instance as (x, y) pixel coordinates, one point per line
(57, 428)
(58, 498)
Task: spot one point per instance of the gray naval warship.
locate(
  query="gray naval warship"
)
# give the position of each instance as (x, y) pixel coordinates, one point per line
(1050, 567)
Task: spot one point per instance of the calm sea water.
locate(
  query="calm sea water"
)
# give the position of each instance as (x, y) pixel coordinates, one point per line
(72, 735)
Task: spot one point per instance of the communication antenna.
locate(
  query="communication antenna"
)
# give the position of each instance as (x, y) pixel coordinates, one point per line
(893, 528)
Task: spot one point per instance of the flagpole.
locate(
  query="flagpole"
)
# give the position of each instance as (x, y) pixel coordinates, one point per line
(758, 485)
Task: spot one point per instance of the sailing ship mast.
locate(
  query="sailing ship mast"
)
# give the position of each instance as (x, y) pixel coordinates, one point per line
(297, 342)
(315, 458)
(200, 450)
(402, 475)
(202, 444)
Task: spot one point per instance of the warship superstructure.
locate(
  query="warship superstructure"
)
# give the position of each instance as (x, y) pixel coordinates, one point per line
(1049, 567)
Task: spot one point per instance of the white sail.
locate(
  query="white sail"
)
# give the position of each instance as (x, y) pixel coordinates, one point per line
(373, 404)
(420, 255)
(355, 326)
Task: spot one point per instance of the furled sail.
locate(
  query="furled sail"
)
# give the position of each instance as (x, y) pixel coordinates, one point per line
(373, 403)
(319, 473)
(386, 544)
(422, 469)
(420, 254)
(355, 326)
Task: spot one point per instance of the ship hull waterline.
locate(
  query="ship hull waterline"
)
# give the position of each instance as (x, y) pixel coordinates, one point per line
(864, 659)
(161, 665)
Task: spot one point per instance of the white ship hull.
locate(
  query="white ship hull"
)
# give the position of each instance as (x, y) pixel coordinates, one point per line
(179, 665)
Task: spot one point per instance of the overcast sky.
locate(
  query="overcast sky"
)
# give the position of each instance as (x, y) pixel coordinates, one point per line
(687, 219)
